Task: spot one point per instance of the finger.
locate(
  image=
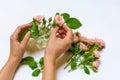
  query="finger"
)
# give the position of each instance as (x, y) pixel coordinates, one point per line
(61, 31)
(68, 32)
(26, 39)
(54, 31)
(20, 29)
(66, 28)
(63, 36)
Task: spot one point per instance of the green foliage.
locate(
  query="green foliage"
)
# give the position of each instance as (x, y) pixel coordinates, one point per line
(81, 58)
(73, 23)
(86, 70)
(44, 21)
(50, 19)
(54, 25)
(41, 62)
(66, 16)
(34, 29)
(37, 68)
(73, 65)
(27, 59)
(33, 64)
(94, 69)
(36, 72)
(22, 35)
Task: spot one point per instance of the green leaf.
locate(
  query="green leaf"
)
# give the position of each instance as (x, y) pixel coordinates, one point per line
(44, 21)
(22, 35)
(86, 70)
(87, 54)
(54, 25)
(41, 62)
(34, 29)
(73, 23)
(66, 16)
(36, 72)
(73, 65)
(57, 13)
(27, 59)
(94, 69)
(33, 64)
(50, 19)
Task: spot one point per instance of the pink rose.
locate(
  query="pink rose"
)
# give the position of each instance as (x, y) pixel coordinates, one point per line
(96, 64)
(90, 41)
(38, 18)
(83, 38)
(59, 19)
(76, 38)
(96, 53)
(83, 46)
(100, 42)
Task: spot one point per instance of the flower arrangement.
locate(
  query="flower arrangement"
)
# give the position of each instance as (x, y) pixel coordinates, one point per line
(85, 52)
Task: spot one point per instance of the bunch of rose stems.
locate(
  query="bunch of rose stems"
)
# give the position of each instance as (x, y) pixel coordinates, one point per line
(85, 53)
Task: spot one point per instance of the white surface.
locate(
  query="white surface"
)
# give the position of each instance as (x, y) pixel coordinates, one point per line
(100, 18)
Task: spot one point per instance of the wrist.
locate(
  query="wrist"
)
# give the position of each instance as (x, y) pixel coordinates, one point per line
(14, 59)
(49, 58)
(50, 55)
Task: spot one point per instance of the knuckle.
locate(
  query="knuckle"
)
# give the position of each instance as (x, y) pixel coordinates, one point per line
(21, 47)
(69, 42)
(19, 28)
(27, 37)
(12, 37)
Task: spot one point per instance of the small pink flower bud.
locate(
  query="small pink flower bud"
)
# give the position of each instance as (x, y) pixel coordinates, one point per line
(83, 46)
(76, 37)
(38, 18)
(59, 19)
(90, 41)
(96, 53)
(83, 38)
(100, 42)
(96, 64)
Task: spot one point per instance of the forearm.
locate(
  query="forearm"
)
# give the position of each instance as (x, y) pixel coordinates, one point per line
(49, 72)
(8, 71)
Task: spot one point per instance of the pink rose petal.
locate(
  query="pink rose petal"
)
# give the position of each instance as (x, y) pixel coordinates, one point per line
(38, 18)
(59, 19)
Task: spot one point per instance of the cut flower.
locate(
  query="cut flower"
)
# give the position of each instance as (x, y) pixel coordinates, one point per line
(84, 52)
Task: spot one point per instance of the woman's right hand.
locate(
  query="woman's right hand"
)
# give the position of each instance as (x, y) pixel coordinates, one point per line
(57, 45)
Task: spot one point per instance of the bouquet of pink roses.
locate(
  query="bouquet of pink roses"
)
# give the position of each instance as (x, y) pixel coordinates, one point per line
(85, 52)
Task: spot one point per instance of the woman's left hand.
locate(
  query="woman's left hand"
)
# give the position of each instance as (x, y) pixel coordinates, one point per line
(17, 48)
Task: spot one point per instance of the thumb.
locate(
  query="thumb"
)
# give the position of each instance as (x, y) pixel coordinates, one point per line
(54, 31)
(25, 40)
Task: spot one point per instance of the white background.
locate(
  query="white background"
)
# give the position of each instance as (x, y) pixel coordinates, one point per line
(100, 18)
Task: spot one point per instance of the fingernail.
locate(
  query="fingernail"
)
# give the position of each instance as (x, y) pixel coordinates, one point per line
(28, 33)
(29, 24)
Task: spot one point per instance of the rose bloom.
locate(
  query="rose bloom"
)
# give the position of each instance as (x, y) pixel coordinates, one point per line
(90, 41)
(96, 53)
(76, 37)
(83, 47)
(96, 64)
(59, 19)
(83, 38)
(38, 18)
(100, 42)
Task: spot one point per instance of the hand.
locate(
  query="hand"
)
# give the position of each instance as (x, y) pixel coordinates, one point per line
(16, 53)
(60, 41)
(58, 44)
(17, 48)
